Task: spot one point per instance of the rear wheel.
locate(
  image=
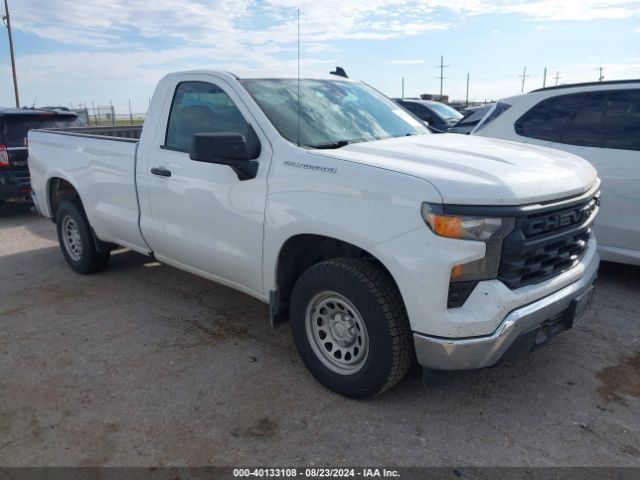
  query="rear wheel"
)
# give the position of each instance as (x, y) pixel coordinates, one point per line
(350, 327)
(76, 239)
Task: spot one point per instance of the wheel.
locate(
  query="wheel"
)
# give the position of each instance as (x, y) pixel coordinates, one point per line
(76, 239)
(350, 327)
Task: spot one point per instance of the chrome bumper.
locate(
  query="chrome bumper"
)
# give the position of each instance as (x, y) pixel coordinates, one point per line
(439, 353)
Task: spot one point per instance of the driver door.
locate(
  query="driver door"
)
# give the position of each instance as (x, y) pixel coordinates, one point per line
(200, 216)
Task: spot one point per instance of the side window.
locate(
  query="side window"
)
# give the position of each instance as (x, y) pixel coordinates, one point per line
(586, 128)
(549, 118)
(622, 120)
(200, 107)
(424, 113)
(415, 108)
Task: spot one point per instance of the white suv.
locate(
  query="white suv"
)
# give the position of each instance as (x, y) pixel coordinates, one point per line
(599, 122)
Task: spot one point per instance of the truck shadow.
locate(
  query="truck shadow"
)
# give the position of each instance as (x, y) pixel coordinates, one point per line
(15, 210)
(620, 274)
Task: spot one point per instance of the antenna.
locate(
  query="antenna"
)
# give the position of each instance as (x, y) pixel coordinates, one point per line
(298, 77)
(340, 72)
(33, 105)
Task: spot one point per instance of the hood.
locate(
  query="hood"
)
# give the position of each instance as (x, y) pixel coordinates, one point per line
(471, 170)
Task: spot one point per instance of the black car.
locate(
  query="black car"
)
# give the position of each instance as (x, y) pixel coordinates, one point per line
(471, 118)
(15, 123)
(438, 116)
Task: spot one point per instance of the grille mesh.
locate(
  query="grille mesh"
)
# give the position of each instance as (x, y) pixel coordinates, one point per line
(544, 245)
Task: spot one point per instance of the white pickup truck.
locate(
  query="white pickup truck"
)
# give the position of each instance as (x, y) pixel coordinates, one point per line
(380, 242)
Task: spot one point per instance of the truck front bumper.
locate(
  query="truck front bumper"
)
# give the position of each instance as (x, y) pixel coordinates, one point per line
(522, 329)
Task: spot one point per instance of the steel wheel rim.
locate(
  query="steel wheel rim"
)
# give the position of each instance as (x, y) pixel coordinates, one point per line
(71, 238)
(337, 333)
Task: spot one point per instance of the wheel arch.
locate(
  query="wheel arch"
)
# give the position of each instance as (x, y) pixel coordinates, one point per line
(58, 190)
(299, 253)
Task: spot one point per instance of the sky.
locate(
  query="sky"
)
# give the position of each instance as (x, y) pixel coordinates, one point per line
(70, 52)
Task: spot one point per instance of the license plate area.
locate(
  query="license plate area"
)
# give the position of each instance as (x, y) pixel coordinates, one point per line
(580, 306)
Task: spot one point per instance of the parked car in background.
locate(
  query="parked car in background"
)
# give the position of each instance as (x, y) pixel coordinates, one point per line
(14, 125)
(600, 122)
(380, 242)
(439, 117)
(470, 118)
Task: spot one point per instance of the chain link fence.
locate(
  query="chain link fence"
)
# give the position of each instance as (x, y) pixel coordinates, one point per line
(103, 116)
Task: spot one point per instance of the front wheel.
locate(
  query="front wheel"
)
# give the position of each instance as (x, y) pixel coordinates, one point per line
(350, 327)
(76, 239)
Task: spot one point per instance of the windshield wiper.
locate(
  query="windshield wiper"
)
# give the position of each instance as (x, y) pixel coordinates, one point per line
(338, 144)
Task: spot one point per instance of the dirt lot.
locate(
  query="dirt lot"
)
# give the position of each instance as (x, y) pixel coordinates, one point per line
(146, 365)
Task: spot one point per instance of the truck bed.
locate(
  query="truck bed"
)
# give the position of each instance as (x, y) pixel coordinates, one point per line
(99, 162)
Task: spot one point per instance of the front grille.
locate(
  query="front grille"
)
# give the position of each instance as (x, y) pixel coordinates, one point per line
(546, 244)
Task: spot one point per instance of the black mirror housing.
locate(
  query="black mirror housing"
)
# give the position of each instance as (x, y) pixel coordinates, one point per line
(228, 148)
(219, 147)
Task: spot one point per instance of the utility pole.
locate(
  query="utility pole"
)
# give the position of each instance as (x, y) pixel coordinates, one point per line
(403, 88)
(557, 77)
(7, 22)
(467, 101)
(523, 76)
(442, 66)
(600, 77)
(544, 78)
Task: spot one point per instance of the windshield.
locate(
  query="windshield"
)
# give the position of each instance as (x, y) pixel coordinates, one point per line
(494, 112)
(445, 111)
(333, 113)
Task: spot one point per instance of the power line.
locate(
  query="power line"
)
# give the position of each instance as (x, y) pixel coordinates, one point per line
(442, 66)
(523, 76)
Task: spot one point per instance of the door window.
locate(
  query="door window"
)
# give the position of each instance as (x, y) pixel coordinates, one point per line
(200, 107)
(548, 119)
(586, 128)
(622, 120)
(423, 113)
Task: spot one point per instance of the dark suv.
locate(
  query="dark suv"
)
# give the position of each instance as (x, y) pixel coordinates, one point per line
(14, 125)
(438, 116)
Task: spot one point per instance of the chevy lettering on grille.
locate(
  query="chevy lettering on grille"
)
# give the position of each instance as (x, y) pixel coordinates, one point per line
(558, 220)
(543, 245)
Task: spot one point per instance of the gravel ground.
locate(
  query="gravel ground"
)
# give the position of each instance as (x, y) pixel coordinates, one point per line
(146, 365)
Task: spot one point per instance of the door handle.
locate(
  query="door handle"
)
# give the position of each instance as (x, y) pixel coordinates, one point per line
(161, 171)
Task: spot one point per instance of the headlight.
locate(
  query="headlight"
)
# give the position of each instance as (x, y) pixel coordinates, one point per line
(490, 230)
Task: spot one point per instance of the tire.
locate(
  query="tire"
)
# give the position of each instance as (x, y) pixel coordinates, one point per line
(359, 308)
(76, 239)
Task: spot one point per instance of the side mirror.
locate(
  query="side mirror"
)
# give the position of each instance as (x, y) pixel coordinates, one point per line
(227, 148)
